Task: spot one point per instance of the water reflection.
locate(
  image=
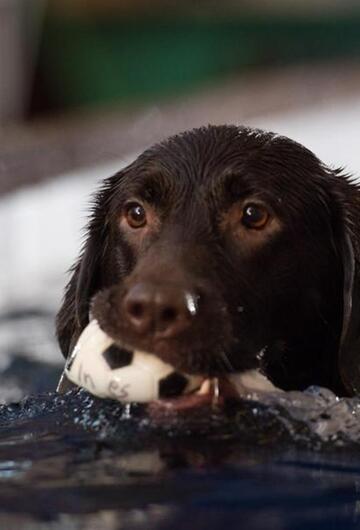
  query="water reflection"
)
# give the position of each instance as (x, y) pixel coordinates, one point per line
(11, 469)
(77, 462)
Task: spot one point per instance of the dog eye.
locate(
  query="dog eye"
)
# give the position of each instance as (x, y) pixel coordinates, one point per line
(254, 216)
(135, 215)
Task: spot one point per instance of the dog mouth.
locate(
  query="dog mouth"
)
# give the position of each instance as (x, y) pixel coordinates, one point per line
(107, 368)
(213, 392)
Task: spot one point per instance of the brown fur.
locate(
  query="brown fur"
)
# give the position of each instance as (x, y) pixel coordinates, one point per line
(283, 299)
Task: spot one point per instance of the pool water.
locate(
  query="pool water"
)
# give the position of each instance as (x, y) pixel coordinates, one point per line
(73, 462)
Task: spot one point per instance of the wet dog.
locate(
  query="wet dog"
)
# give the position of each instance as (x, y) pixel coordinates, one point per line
(226, 249)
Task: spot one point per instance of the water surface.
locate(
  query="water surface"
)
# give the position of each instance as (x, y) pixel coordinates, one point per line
(77, 462)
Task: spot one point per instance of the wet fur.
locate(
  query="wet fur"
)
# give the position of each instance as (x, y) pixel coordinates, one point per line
(281, 305)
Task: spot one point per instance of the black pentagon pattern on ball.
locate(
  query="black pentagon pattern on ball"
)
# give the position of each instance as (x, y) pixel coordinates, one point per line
(117, 357)
(172, 385)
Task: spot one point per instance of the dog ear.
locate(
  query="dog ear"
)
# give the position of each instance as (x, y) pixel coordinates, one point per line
(348, 239)
(73, 315)
(67, 329)
(85, 281)
(349, 352)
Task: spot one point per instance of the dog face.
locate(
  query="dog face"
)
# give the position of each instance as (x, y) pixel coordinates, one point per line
(221, 249)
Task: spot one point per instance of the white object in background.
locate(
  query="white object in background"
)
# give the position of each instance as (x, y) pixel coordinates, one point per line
(39, 230)
(101, 367)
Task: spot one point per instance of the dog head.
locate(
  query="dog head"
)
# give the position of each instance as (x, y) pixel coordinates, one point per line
(225, 249)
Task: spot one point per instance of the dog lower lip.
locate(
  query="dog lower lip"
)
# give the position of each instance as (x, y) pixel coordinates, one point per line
(212, 393)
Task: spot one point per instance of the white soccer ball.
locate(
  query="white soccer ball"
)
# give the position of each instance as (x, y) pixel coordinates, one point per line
(109, 371)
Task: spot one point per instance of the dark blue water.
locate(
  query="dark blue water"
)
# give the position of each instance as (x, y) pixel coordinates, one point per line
(72, 462)
(77, 462)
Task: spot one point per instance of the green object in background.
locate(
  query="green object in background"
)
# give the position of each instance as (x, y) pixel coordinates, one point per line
(87, 61)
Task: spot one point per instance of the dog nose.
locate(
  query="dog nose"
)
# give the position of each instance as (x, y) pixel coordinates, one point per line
(163, 311)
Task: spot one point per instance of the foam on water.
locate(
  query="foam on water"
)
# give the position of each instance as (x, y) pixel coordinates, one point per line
(315, 418)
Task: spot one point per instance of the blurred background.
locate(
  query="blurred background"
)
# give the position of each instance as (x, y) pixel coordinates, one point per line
(85, 85)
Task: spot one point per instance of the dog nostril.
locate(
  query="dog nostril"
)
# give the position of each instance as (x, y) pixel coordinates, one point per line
(138, 313)
(136, 309)
(168, 315)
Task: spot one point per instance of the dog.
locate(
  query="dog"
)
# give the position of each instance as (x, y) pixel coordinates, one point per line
(226, 249)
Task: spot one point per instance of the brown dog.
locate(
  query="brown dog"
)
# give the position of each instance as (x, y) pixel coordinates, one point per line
(226, 249)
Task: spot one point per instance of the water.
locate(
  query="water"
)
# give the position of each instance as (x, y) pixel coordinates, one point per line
(77, 462)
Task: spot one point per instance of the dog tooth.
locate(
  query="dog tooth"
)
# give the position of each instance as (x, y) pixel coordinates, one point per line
(205, 387)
